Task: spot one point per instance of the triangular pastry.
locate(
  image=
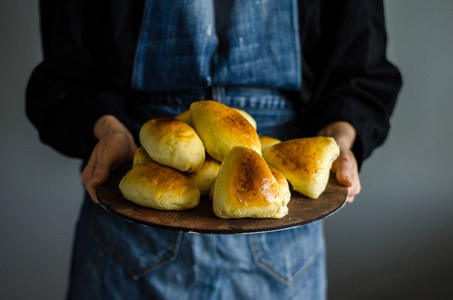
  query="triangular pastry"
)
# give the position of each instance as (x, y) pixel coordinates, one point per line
(305, 162)
(246, 188)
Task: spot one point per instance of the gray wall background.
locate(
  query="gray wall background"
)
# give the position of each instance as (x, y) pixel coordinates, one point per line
(393, 242)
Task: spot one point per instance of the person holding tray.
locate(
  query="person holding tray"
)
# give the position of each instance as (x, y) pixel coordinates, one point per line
(300, 68)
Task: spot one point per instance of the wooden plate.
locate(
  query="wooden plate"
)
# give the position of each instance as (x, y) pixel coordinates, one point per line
(302, 210)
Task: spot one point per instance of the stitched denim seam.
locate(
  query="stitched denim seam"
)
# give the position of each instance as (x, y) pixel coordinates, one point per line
(265, 266)
(134, 274)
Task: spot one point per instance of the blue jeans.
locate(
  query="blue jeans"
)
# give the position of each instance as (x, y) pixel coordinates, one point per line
(116, 259)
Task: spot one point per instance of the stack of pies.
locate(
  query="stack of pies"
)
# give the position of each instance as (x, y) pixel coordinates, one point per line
(215, 150)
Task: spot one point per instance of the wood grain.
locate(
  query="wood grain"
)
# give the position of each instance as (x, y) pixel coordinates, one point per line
(201, 219)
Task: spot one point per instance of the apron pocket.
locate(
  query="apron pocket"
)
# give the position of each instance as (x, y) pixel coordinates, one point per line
(287, 254)
(137, 248)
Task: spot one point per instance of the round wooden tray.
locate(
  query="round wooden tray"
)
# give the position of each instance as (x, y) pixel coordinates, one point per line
(201, 219)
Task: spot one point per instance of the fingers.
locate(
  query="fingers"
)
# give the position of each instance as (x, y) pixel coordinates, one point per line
(102, 169)
(94, 174)
(345, 167)
(115, 146)
(97, 169)
(112, 150)
(87, 178)
(92, 192)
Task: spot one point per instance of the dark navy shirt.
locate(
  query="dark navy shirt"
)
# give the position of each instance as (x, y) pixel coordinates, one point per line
(218, 42)
(94, 50)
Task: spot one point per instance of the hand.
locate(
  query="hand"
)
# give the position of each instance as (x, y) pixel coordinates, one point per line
(115, 146)
(345, 166)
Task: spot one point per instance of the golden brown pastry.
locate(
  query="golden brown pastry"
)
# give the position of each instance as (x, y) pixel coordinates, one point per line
(283, 183)
(156, 186)
(141, 157)
(246, 188)
(186, 118)
(211, 191)
(267, 141)
(206, 176)
(222, 128)
(247, 116)
(305, 162)
(173, 143)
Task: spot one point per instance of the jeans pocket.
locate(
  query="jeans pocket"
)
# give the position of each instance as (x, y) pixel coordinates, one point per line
(287, 254)
(137, 248)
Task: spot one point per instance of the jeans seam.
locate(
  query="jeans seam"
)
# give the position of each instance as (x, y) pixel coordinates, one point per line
(266, 267)
(134, 274)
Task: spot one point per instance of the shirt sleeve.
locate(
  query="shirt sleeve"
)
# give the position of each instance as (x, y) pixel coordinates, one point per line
(351, 78)
(68, 92)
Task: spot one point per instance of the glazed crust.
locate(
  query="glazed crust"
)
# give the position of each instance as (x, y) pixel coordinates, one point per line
(173, 143)
(141, 157)
(305, 162)
(267, 142)
(246, 187)
(159, 187)
(222, 128)
(186, 118)
(206, 176)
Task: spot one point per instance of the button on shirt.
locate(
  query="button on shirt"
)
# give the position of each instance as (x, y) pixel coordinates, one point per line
(200, 43)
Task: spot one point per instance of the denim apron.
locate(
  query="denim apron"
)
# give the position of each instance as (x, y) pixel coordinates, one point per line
(116, 259)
